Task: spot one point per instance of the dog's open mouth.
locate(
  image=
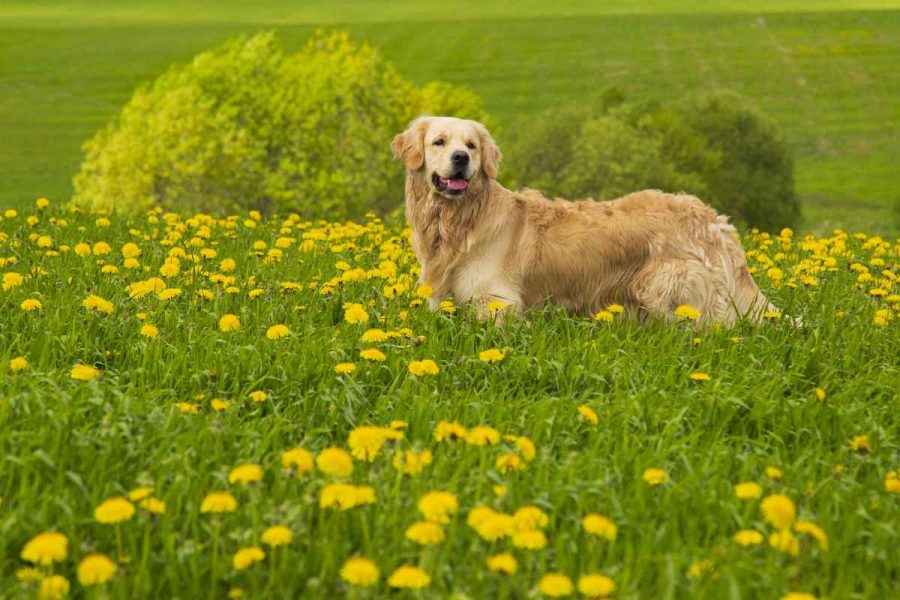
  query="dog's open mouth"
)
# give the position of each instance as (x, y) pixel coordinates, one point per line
(454, 186)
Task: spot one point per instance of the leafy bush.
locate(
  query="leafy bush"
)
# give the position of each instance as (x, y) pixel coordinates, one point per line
(711, 145)
(246, 126)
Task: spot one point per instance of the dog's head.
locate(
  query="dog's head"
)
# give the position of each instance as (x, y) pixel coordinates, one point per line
(450, 152)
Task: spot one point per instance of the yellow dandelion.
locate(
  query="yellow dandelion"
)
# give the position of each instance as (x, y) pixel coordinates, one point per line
(589, 414)
(529, 540)
(114, 510)
(46, 548)
(277, 535)
(229, 322)
(748, 490)
(335, 461)
(409, 577)
(53, 587)
(596, 586)
(247, 557)
(437, 506)
(299, 459)
(96, 569)
(600, 526)
(355, 313)
(218, 502)
(84, 373)
(860, 443)
(504, 563)
(31, 304)
(425, 533)
(245, 474)
(699, 376)
(785, 542)
(814, 531)
(774, 473)
(277, 332)
(509, 462)
(258, 396)
(492, 355)
(449, 431)
(374, 336)
(686, 311)
(149, 331)
(18, 363)
(555, 585)
(373, 354)
(423, 367)
(748, 537)
(779, 510)
(655, 476)
(410, 462)
(360, 571)
(604, 316)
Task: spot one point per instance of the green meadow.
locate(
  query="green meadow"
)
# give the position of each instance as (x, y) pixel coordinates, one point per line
(824, 71)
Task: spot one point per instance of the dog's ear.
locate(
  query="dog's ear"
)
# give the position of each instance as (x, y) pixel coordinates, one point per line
(409, 146)
(490, 153)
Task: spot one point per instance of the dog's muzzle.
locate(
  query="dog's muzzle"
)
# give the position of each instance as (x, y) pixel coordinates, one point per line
(453, 186)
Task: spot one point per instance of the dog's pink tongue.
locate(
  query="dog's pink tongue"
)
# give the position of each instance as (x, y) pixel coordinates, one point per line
(457, 184)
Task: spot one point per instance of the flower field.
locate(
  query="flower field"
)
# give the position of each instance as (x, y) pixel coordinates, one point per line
(266, 408)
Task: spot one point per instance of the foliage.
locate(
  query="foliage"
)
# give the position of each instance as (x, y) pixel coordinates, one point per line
(227, 355)
(711, 145)
(246, 126)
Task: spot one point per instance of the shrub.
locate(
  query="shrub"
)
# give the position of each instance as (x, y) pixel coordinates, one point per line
(246, 126)
(711, 145)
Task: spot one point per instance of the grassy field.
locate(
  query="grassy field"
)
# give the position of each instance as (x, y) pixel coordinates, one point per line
(123, 376)
(824, 70)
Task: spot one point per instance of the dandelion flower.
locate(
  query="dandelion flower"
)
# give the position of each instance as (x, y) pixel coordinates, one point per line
(54, 587)
(588, 413)
(409, 577)
(602, 527)
(482, 436)
(529, 518)
(820, 394)
(31, 304)
(114, 510)
(18, 363)
(509, 462)
(149, 331)
(529, 540)
(96, 569)
(298, 458)
(449, 431)
(11, 280)
(785, 542)
(555, 585)
(748, 537)
(374, 336)
(655, 476)
(258, 395)
(219, 405)
(276, 332)
(686, 311)
(423, 367)
(699, 376)
(153, 505)
(98, 304)
(218, 502)
(247, 557)
(360, 571)
(366, 441)
(814, 531)
(373, 354)
(700, 568)
(229, 323)
(245, 474)
(410, 462)
(860, 443)
(335, 461)
(355, 313)
(139, 493)
(437, 506)
(604, 316)
(798, 596)
(595, 586)
(892, 482)
(46, 548)
(779, 510)
(84, 373)
(773, 473)
(345, 496)
(344, 368)
(425, 533)
(491, 355)
(277, 535)
(503, 563)
(748, 490)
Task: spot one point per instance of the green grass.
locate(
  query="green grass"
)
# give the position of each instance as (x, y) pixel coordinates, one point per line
(824, 72)
(68, 445)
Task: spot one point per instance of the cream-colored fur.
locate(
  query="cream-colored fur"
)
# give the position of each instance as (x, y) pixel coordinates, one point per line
(649, 251)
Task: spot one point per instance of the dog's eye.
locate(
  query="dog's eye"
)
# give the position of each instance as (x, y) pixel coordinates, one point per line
(470, 145)
(438, 142)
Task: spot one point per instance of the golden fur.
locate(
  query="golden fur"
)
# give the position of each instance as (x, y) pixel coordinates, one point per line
(649, 251)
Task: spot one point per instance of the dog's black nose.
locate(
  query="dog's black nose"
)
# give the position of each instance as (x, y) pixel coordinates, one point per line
(460, 158)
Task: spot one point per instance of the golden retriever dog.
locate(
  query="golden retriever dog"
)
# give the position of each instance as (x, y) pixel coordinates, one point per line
(476, 240)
